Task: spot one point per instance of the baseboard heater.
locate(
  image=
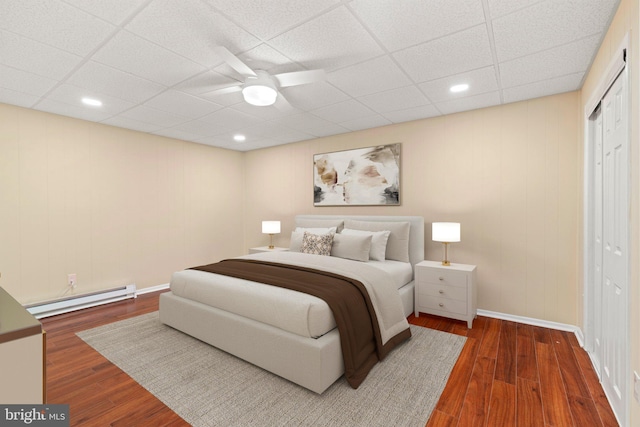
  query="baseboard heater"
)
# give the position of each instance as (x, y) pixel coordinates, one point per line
(78, 302)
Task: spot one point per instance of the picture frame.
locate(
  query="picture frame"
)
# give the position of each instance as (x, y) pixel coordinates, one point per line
(367, 176)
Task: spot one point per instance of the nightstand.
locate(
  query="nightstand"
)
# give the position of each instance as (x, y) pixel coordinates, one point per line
(447, 291)
(266, 249)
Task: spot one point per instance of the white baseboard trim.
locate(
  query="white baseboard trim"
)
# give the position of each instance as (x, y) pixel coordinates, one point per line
(536, 322)
(153, 289)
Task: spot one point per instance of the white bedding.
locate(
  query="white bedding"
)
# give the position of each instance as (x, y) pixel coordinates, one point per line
(296, 312)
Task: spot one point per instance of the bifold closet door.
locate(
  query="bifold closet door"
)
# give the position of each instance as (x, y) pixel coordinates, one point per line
(615, 256)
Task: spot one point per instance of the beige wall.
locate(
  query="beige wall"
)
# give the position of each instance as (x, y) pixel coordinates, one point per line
(508, 174)
(626, 22)
(111, 205)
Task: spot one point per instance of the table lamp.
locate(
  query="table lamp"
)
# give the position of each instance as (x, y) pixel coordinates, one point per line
(445, 232)
(271, 228)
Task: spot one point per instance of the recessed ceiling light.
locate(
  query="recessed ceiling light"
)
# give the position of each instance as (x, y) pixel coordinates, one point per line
(239, 138)
(92, 102)
(459, 88)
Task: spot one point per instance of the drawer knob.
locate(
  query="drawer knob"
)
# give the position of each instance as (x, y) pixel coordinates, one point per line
(440, 278)
(441, 291)
(441, 305)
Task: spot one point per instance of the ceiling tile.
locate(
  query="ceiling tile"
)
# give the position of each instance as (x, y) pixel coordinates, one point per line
(135, 55)
(230, 119)
(546, 25)
(125, 122)
(9, 96)
(366, 123)
(543, 88)
(76, 111)
(25, 82)
(72, 95)
(177, 134)
(311, 124)
(343, 111)
(38, 58)
(220, 142)
(371, 76)
(331, 41)
(114, 11)
(202, 128)
(469, 103)
(499, 8)
(115, 83)
(256, 19)
(55, 23)
(200, 28)
(395, 99)
(479, 81)
(566, 59)
(162, 119)
(410, 22)
(185, 104)
(274, 131)
(265, 113)
(454, 54)
(410, 114)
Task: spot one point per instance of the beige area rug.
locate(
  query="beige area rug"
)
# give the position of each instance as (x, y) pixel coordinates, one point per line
(208, 387)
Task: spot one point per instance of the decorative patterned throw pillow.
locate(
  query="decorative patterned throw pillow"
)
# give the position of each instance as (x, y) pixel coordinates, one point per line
(317, 244)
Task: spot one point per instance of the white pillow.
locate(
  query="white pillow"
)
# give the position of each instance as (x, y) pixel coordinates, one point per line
(398, 243)
(351, 246)
(378, 241)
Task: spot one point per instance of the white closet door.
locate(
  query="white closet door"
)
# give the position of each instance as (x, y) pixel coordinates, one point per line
(615, 220)
(596, 354)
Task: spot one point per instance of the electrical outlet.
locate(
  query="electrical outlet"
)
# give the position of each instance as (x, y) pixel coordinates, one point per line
(636, 386)
(71, 280)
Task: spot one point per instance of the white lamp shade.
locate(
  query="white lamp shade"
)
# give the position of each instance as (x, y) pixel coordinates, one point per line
(271, 227)
(445, 232)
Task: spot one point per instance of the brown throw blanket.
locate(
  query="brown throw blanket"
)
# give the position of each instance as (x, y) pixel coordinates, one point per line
(348, 299)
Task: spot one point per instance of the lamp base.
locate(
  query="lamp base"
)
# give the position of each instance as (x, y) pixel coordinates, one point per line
(445, 261)
(271, 241)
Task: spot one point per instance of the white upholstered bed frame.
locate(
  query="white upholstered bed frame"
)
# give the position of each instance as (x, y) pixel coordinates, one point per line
(314, 363)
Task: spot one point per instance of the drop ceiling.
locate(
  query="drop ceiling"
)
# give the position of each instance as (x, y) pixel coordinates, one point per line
(151, 63)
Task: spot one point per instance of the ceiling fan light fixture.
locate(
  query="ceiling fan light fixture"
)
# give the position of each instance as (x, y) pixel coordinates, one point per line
(260, 94)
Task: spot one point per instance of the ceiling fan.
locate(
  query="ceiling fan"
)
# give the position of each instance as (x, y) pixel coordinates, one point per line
(259, 87)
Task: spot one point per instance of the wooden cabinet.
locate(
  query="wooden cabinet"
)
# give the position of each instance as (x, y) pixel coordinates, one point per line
(448, 291)
(22, 354)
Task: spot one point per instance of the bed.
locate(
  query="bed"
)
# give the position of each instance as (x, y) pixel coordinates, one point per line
(283, 331)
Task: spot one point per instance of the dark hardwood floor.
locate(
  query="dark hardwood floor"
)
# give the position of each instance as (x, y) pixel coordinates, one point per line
(508, 374)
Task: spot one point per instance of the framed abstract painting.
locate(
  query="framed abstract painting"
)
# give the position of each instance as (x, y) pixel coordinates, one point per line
(360, 177)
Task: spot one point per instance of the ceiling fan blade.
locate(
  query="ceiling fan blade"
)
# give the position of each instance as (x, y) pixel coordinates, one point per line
(224, 90)
(300, 77)
(282, 104)
(233, 61)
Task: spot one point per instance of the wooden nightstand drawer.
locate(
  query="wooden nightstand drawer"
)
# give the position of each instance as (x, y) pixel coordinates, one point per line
(443, 291)
(443, 304)
(445, 277)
